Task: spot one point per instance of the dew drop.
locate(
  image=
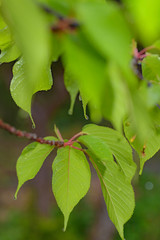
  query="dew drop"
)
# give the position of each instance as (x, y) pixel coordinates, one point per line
(87, 118)
(149, 186)
(80, 98)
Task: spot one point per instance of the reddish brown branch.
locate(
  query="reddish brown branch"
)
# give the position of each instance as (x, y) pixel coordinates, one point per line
(30, 136)
(65, 25)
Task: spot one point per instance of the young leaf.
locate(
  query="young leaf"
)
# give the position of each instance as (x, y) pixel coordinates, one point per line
(31, 160)
(117, 190)
(23, 90)
(71, 179)
(118, 145)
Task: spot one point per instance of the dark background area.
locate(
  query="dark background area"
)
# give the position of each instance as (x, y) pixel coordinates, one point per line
(35, 215)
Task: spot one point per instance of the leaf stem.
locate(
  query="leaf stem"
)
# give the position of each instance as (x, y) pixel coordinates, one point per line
(75, 136)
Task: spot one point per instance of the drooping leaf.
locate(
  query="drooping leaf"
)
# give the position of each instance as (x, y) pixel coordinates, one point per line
(31, 160)
(120, 100)
(118, 145)
(71, 179)
(23, 90)
(117, 190)
(151, 68)
(72, 87)
(32, 36)
(85, 100)
(148, 148)
(108, 30)
(88, 68)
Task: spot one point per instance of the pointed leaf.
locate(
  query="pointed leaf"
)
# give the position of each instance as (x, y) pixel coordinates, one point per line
(23, 90)
(71, 179)
(72, 87)
(31, 160)
(118, 145)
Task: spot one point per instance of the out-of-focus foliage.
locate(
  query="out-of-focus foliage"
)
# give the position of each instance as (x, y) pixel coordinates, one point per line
(145, 221)
(29, 224)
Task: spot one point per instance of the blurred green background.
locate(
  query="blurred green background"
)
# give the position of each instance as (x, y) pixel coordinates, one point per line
(35, 215)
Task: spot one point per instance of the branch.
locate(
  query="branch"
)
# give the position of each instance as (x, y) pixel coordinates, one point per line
(64, 23)
(30, 136)
(50, 11)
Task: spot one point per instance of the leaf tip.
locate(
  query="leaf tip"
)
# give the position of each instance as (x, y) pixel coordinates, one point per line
(15, 195)
(70, 111)
(65, 222)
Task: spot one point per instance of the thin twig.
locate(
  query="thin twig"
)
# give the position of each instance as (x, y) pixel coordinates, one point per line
(75, 136)
(63, 24)
(30, 136)
(51, 11)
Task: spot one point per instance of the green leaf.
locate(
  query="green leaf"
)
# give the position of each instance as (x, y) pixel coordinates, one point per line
(148, 148)
(31, 160)
(23, 90)
(72, 87)
(153, 93)
(9, 54)
(151, 68)
(32, 36)
(85, 100)
(71, 179)
(5, 37)
(156, 44)
(56, 48)
(108, 30)
(88, 68)
(118, 145)
(145, 17)
(117, 190)
(120, 103)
